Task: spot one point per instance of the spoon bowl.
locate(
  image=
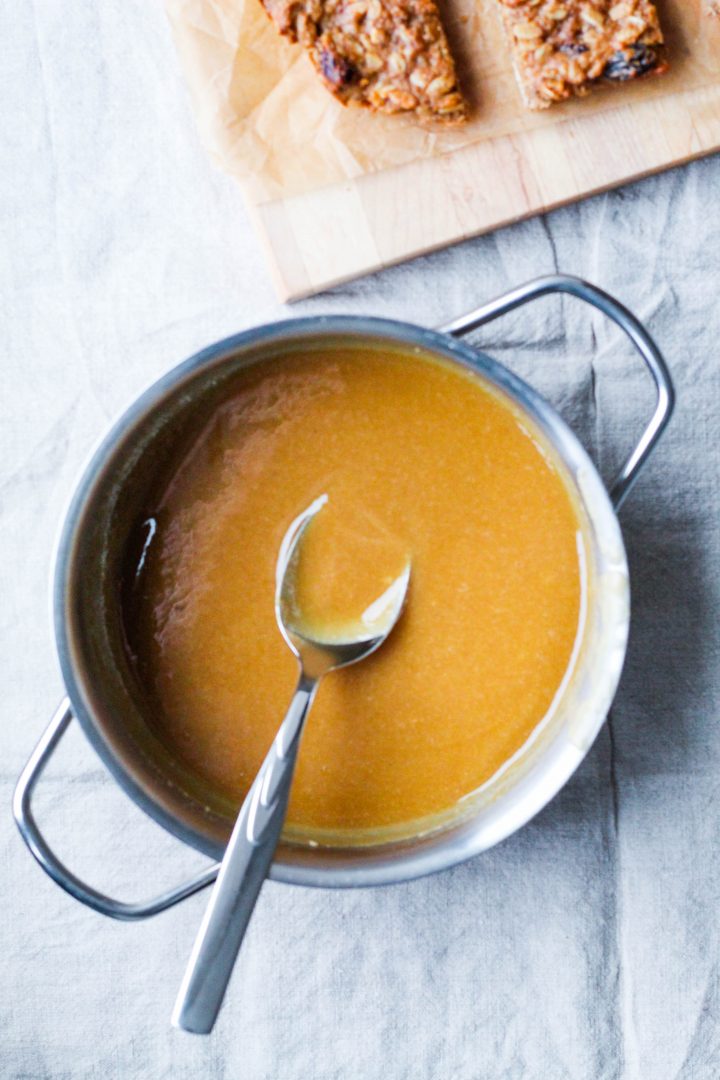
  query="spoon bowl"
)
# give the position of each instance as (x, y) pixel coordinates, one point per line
(353, 640)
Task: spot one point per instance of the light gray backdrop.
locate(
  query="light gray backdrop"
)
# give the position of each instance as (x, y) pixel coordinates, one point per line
(585, 947)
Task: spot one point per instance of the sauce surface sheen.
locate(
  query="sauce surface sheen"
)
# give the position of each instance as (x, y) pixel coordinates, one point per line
(417, 458)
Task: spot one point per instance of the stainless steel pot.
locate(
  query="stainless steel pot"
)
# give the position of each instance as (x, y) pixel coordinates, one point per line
(100, 691)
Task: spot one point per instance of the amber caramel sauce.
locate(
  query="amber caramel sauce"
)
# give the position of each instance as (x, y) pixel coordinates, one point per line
(418, 458)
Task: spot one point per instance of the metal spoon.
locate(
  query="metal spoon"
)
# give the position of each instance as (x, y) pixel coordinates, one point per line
(255, 836)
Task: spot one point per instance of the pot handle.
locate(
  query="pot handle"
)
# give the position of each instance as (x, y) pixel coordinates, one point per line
(563, 283)
(116, 909)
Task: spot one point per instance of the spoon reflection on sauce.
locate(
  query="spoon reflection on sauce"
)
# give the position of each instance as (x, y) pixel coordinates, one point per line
(257, 830)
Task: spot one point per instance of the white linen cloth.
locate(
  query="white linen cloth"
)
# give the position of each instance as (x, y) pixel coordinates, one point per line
(586, 947)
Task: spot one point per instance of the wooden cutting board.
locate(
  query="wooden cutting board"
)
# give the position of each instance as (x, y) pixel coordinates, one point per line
(330, 235)
(268, 121)
(340, 192)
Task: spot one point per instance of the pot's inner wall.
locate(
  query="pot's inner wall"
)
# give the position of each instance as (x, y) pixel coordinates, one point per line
(119, 500)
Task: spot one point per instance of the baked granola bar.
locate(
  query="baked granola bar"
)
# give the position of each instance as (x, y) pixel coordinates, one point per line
(561, 47)
(391, 56)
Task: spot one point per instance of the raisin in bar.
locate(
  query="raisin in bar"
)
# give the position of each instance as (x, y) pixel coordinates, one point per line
(560, 49)
(390, 56)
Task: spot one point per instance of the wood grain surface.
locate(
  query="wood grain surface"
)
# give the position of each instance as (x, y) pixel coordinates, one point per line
(323, 237)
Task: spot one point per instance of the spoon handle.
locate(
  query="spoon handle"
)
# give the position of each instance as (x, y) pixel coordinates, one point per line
(245, 865)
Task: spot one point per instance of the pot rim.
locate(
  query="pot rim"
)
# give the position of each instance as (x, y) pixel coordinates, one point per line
(388, 863)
